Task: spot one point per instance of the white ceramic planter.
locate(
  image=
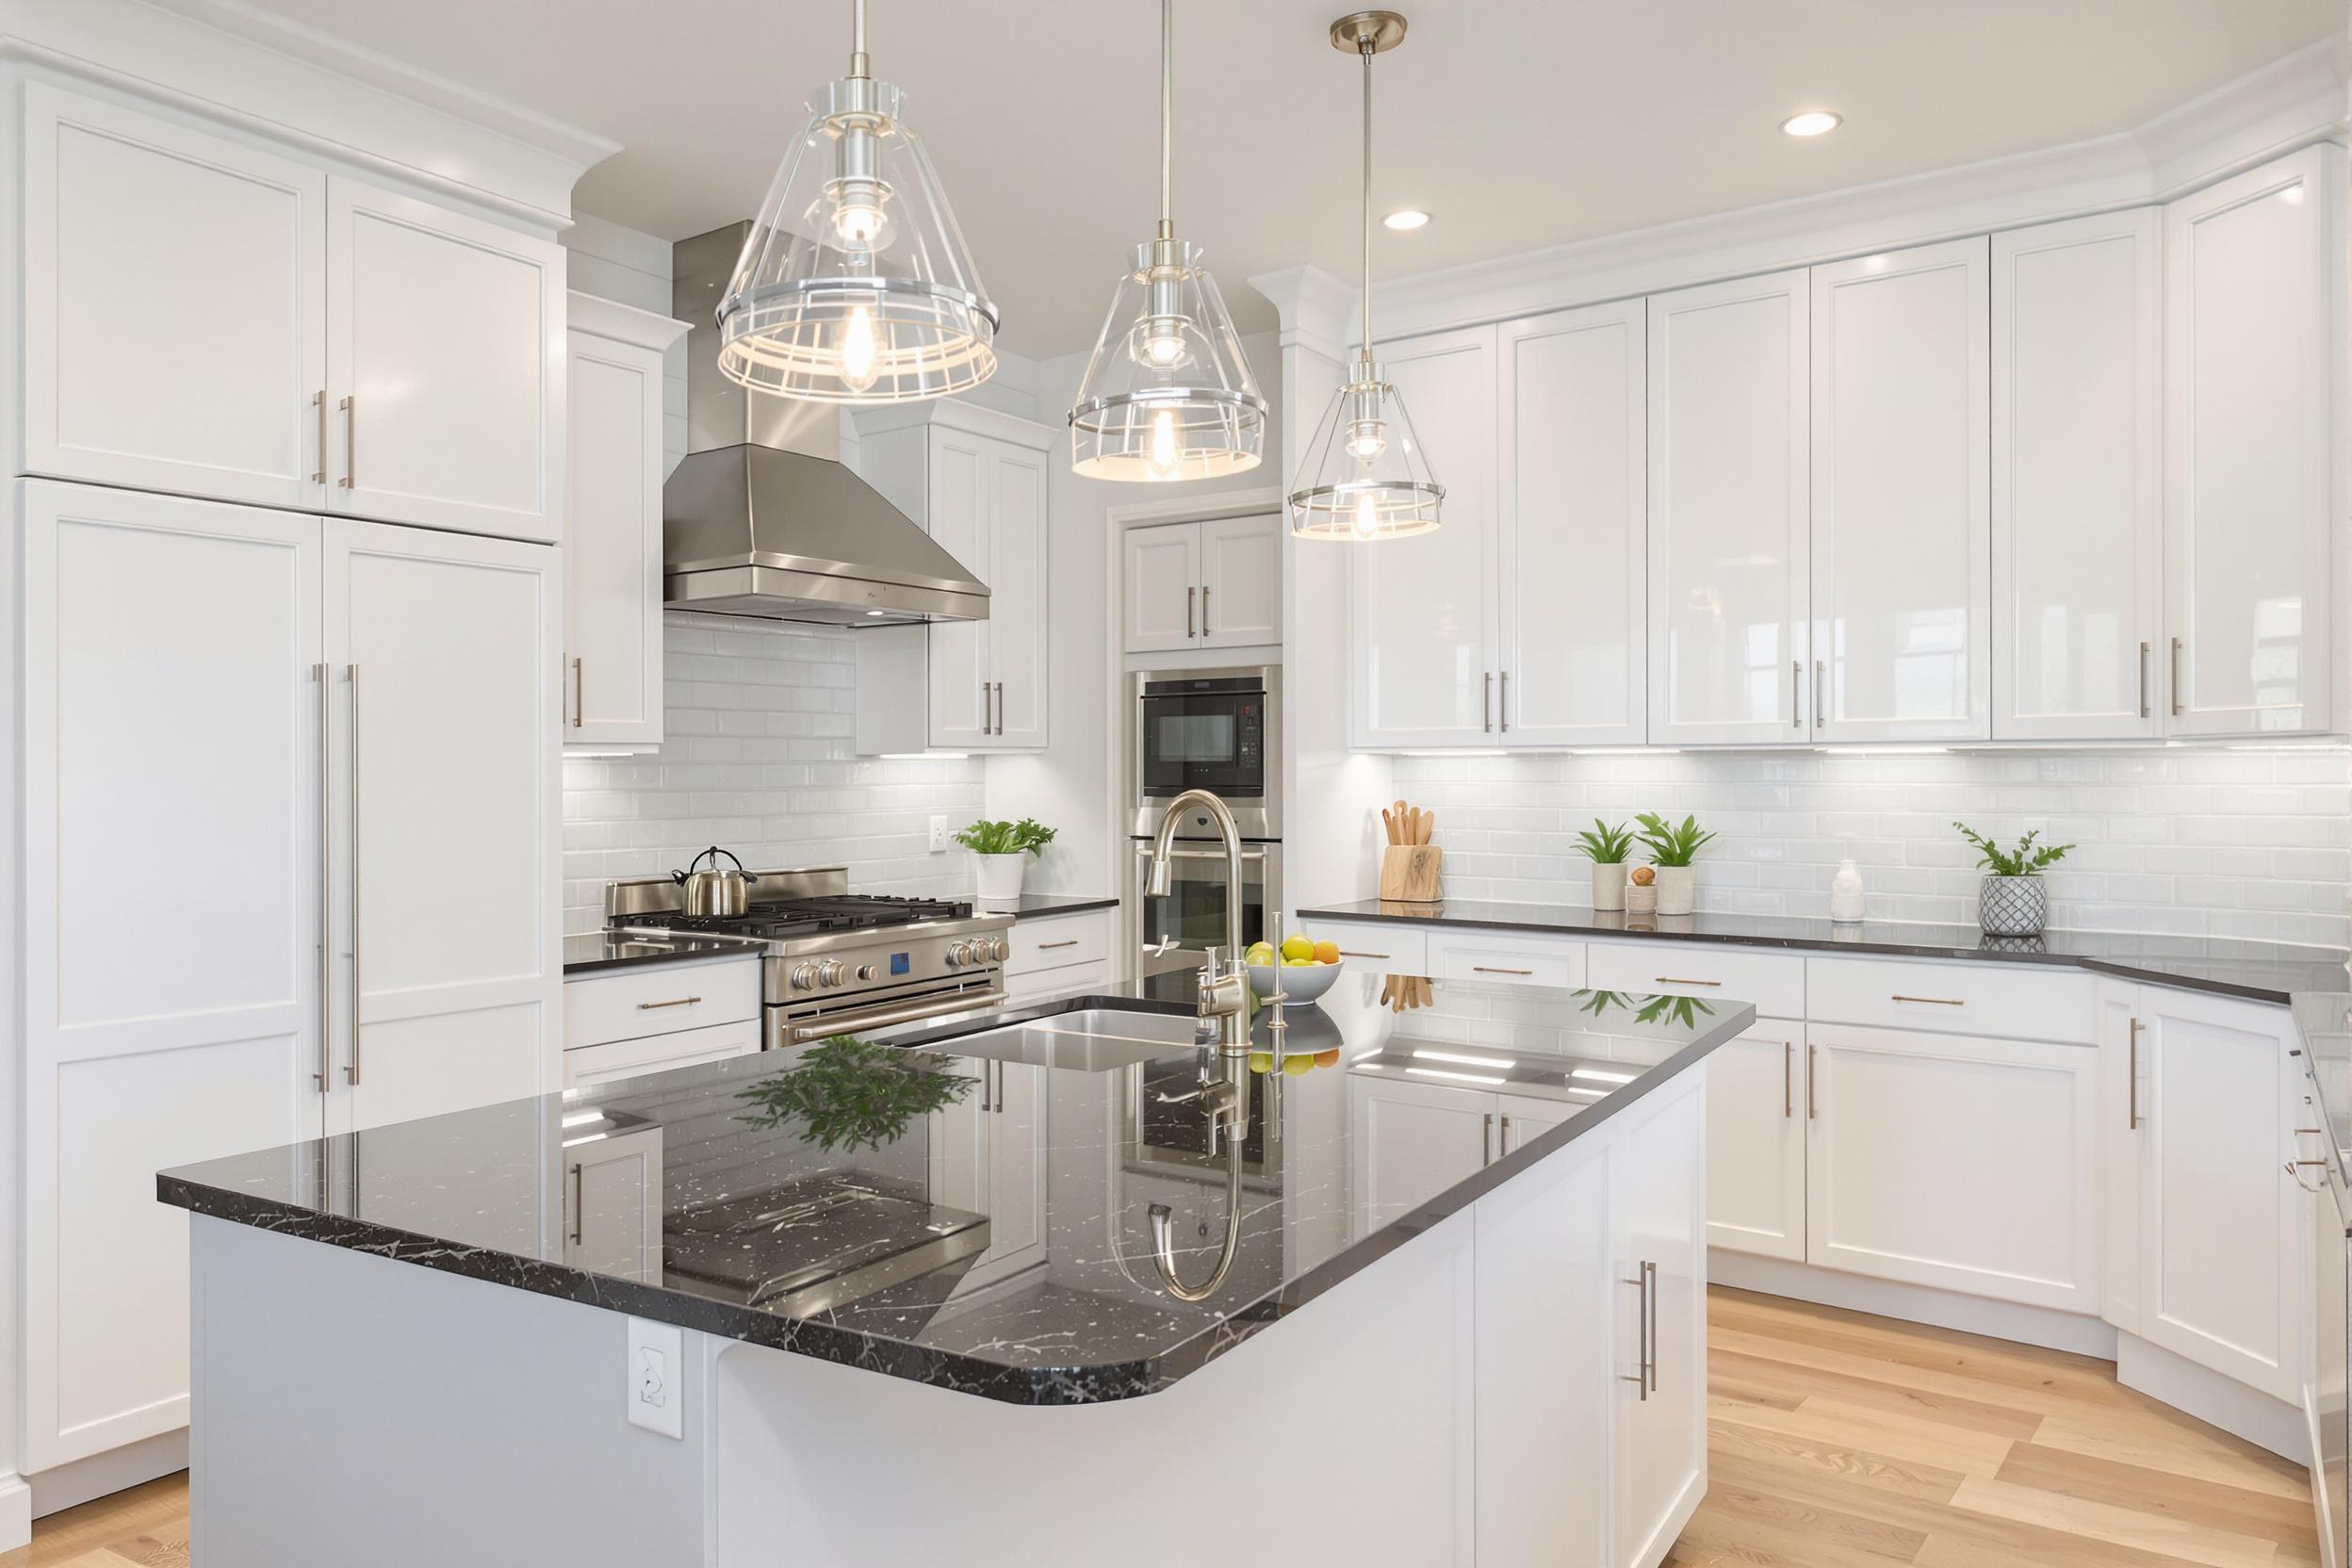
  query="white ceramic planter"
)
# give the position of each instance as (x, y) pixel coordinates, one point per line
(999, 879)
(1608, 885)
(1677, 888)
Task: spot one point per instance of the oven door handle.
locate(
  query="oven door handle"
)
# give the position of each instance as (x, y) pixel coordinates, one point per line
(1247, 852)
(877, 1018)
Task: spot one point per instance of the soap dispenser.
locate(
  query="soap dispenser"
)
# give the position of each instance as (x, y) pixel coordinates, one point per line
(1845, 894)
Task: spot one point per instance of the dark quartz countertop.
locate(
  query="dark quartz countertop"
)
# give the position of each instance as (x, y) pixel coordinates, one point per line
(1032, 905)
(477, 1192)
(2260, 970)
(603, 950)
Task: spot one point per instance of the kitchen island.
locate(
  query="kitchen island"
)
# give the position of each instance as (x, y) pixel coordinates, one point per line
(1463, 1321)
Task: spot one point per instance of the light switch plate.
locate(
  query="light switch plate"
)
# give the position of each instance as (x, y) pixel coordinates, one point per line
(657, 1377)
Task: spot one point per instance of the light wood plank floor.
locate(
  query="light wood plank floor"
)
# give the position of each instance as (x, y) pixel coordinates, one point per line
(1835, 1441)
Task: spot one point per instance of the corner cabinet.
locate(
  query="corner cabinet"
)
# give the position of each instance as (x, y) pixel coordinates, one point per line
(977, 481)
(316, 342)
(613, 525)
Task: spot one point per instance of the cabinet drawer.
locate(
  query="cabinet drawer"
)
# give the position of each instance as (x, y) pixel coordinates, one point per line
(1383, 948)
(1962, 999)
(1772, 983)
(1059, 943)
(660, 1000)
(598, 1064)
(1510, 961)
(1046, 982)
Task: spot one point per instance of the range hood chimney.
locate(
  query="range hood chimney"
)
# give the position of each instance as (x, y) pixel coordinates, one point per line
(761, 518)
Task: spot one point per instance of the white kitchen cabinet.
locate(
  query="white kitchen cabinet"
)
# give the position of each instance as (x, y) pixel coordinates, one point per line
(612, 523)
(1214, 584)
(1658, 1427)
(203, 376)
(1409, 1141)
(1423, 612)
(1755, 1138)
(1058, 953)
(653, 1017)
(1505, 957)
(1521, 1118)
(1383, 947)
(2077, 512)
(988, 1155)
(612, 1204)
(1729, 470)
(976, 480)
(446, 358)
(1966, 1164)
(2218, 1214)
(1570, 511)
(1902, 542)
(2254, 278)
(587, 1064)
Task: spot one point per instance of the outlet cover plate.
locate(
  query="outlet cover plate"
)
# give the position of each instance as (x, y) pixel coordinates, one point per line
(656, 1376)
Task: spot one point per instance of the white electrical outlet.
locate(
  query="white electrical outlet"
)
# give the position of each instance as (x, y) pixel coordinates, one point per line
(938, 834)
(657, 1377)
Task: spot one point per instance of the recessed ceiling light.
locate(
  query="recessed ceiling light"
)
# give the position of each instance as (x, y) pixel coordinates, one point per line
(1811, 123)
(1406, 217)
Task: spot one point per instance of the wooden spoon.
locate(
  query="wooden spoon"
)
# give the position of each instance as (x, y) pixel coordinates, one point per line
(1390, 823)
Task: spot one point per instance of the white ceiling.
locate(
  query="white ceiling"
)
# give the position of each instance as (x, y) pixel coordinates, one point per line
(1520, 123)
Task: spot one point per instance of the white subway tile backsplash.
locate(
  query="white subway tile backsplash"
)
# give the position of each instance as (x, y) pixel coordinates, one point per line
(2204, 842)
(759, 759)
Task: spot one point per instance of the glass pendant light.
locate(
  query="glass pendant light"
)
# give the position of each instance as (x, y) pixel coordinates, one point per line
(1167, 394)
(854, 285)
(1365, 476)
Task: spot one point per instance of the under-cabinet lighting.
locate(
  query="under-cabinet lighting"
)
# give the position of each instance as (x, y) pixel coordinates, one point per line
(1590, 1094)
(1883, 751)
(1457, 1077)
(1498, 752)
(585, 1138)
(923, 756)
(1502, 1066)
(1598, 1076)
(1812, 122)
(1625, 751)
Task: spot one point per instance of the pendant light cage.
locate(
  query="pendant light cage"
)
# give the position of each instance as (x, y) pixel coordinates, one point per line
(1365, 476)
(855, 285)
(1167, 394)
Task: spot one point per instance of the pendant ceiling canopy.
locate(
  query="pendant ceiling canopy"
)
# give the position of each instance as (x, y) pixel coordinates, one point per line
(1167, 394)
(855, 285)
(1364, 475)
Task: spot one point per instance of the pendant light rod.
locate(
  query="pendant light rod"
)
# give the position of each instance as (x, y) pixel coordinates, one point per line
(1168, 118)
(858, 64)
(1364, 48)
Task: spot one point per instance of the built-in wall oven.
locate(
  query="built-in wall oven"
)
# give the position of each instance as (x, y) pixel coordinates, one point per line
(1177, 931)
(1218, 731)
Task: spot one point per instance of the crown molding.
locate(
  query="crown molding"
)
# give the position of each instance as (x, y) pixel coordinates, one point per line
(601, 318)
(2270, 111)
(1313, 308)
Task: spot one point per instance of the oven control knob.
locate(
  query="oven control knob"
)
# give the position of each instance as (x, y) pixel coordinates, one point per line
(805, 977)
(999, 948)
(829, 972)
(865, 971)
(959, 954)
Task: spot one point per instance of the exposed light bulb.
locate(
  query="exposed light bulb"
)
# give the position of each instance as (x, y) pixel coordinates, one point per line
(858, 224)
(1165, 350)
(1164, 451)
(1367, 515)
(1366, 443)
(860, 355)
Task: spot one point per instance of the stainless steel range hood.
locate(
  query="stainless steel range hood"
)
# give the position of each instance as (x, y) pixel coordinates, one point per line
(762, 519)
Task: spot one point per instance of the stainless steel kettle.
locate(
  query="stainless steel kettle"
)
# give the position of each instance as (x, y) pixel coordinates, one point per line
(720, 892)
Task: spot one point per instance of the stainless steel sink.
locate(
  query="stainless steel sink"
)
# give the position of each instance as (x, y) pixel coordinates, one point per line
(1093, 1039)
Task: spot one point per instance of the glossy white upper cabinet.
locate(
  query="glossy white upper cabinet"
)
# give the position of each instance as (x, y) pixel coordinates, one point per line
(1570, 515)
(2076, 511)
(1901, 548)
(1422, 610)
(2253, 280)
(174, 315)
(1160, 569)
(1730, 457)
(1241, 580)
(1015, 568)
(445, 345)
(612, 523)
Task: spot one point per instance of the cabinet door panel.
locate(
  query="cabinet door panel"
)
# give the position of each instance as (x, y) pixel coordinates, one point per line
(1657, 1203)
(2076, 509)
(1412, 1141)
(1902, 553)
(447, 334)
(1162, 573)
(180, 1023)
(445, 744)
(1756, 1144)
(1728, 478)
(1241, 582)
(2253, 272)
(1421, 628)
(613, 543)
(1019, 588)
(1572, 513)
(196, 369)
(957, 483)
(1018, 1147)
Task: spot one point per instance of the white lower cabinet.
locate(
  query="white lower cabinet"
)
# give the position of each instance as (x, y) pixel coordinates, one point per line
(988, 1155)
(1058, 953)
(1412, 1141)
(1657, 1242)
(612, 1205)
(632, 1021)
(1454, 955)
(1756, 1136)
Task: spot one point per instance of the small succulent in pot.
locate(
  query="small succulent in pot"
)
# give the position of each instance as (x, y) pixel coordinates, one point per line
(1002, 849)
(1607, 847)
(2012, 901)
(1672, 850)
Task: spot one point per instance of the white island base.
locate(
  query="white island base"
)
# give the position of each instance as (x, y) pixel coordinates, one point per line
(1503, 1390)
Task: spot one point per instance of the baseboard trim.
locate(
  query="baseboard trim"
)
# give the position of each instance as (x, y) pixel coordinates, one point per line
(2213, 1398)
(16, 1512)
(1942, 1309)
(101, 1475)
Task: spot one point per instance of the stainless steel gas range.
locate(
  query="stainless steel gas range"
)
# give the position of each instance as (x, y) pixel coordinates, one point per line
(838, 962)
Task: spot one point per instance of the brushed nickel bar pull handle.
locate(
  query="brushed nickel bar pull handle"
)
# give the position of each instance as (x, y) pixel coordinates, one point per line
(350, 674)
(1189, 594)
(2144, 680)
(580, 693)
(1649, 1350)
(1047, 947)
(1812, 1108)
(1796, 693)
(2132, 1078)
(1506, 1146)
(2176, 677)
(1787, 1080)
(1000, 1089)
(674, 1002)
(1345, 954)
(579, 1200)
(1931, 1001)
(1677, 980)
(999, 708)
(1820, 708)
(1489, 968)
(322, 673)
(1486, 1148)
(320, 403)
(1204, 610)
(1505, 711)
(1486, 705)
(350, 444)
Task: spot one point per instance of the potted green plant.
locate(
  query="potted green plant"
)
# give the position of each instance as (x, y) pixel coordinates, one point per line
(1673, 849)
(1001, 850)
(1607, 847)
(2010, 901)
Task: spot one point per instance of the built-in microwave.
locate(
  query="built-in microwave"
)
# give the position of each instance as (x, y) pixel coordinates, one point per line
(1218, 731)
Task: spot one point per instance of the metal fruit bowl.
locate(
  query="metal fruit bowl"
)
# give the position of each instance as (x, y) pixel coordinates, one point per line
(1299, 984)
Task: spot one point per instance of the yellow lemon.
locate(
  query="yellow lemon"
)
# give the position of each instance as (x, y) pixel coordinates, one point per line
(1297, 1066)
(1298, 947)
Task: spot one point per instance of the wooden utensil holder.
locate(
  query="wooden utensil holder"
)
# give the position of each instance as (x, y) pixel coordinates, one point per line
(1409, 872)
